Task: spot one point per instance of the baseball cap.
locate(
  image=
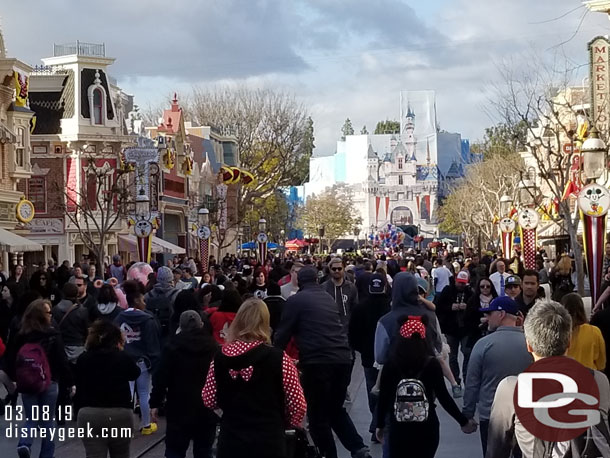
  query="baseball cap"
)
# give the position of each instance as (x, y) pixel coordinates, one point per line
(512, 280)
(189, 319)
(462, 277)
(377, 284)
(502, 303)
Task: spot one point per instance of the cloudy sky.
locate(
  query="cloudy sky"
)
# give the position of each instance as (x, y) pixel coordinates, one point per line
(342, 58)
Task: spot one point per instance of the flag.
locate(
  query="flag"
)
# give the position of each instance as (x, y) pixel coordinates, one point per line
(21, 89)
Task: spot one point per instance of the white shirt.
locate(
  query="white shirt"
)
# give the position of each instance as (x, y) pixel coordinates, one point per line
(441, 276)
(495, 279)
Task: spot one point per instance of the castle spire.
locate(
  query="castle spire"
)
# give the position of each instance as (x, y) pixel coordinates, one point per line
(2, 48)
(428, 151)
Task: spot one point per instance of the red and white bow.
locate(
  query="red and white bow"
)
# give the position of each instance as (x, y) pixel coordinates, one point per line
(245, 373)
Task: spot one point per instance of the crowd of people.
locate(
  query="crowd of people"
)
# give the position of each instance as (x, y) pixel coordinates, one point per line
(235, 356)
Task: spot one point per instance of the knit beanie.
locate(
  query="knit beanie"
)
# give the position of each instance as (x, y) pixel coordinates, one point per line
(165, 275)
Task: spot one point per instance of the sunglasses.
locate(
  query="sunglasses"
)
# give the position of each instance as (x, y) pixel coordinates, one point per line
(336, 269)
(485, 286)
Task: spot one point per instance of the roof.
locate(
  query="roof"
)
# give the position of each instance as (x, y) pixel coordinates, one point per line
(172, 117)
(371, 154)
(454, 171)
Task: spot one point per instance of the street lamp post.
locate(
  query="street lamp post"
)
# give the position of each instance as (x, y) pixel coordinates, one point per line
(528, 222)
(283, 242)
(593, 202)
(261, 240)
(321, 231)
(507, 225)
(356, 235)
(204, 233)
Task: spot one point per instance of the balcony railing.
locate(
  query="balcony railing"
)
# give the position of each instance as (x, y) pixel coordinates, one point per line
(80, 49)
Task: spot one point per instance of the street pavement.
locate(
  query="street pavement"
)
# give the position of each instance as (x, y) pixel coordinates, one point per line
(453, 442)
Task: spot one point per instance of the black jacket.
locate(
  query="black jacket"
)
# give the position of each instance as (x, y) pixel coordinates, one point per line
(75, 326)
(312, 317)
(275, 304)
(457, 322)
(363, 324)
(102, 379)
(51, 342)
(181, 375)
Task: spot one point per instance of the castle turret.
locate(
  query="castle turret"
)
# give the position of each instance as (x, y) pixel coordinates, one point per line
(409, 135)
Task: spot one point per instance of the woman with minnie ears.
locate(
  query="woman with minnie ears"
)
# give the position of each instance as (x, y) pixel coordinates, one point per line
(410, 359)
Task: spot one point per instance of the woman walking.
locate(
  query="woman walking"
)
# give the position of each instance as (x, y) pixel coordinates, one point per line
(256, 386)
(37, 361)
(416, 436)
(587, 345)
(103, 395)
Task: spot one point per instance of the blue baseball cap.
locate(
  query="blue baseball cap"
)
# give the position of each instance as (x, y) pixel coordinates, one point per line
(502, 303)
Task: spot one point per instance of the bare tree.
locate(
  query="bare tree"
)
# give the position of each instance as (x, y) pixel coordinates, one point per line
(542, 97)
(97, 206)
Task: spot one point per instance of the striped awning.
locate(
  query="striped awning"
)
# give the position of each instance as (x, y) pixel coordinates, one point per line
(14, 243)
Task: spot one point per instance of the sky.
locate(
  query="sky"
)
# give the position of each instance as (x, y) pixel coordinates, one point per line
(340, 58)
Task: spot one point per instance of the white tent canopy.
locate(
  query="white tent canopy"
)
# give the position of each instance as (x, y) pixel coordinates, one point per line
(14, 243)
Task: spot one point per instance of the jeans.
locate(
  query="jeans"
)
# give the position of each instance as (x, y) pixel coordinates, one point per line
(370, 377)
(97, 418)
(325, 386)
(45, 418)
(466, 343)
(142, 387)
(178, 438)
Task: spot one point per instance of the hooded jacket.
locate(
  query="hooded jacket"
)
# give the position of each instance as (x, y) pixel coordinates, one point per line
(181, 375)
(107, 311)
(160, 303)
(75, 326)
(345, 296)
(405, 302)
(312, 317)
(142, 336)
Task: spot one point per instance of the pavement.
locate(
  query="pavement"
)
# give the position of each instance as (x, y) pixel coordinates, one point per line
(453, 443)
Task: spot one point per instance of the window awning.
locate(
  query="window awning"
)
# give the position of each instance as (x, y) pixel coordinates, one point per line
(14, 243)
(128, 242)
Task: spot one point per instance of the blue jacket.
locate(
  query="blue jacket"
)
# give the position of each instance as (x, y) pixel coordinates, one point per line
(142, 336)
(405, 302)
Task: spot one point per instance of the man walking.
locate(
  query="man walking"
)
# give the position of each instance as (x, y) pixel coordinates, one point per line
(312, 317)
(530, 291)
(498, 278)
(440, 276)
(341, 290)
(494, 357)
(512, 286)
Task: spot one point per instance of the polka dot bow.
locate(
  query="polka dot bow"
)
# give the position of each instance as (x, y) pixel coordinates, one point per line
(413, 326)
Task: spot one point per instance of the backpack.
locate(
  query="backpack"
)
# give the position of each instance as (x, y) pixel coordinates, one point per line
(411, 403)
(32, 370)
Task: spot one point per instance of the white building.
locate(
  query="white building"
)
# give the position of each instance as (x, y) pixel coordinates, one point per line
(396, 178)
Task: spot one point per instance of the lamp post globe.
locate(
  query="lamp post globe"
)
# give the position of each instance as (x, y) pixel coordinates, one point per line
(527, 193)
(203, 216)
(594, 155)
(262, 225)
(506, 202)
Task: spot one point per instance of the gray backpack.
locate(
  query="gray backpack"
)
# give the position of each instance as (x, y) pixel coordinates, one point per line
(411, 403)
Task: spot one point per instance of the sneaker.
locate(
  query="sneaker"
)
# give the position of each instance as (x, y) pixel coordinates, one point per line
(457, 391)
(23, 451)
(364, 452)
(147, 430)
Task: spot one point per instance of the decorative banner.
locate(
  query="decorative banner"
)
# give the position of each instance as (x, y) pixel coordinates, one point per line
(417, 200)
(144, 248)
(387, 207)
(236, 175)
(227, 174)
(528, 222)
(507, 226)
(261, 241)
(593, 203)
(21, 89)
(247, 178)
(204, 254)
(377, 201)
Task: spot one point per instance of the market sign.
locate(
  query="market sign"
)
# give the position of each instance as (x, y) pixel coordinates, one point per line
(599, 52)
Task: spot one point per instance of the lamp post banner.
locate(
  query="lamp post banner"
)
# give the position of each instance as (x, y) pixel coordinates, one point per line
(144, 248)
(594, 240)
(507, 244)
(204, 254)
(528, 222)
(262, 252)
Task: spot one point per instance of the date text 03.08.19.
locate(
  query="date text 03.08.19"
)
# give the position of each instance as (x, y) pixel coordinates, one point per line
(37, 413)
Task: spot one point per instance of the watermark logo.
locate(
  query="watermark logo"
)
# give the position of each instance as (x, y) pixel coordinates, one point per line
(557, 399)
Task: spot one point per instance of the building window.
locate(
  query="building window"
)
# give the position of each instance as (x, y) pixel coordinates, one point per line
(98, 107)
(400, 163)
(37, 193)
(400, 179)
(400, 196)
(20, 148)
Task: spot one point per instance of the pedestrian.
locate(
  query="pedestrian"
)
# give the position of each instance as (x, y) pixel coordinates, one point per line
(39, 347)
(512, 286)
(18, 280)
(222, 317)
(493, 358)
(258, 288)
(103, 397)
(459, 324)
(292, 287)
(561, 278)
(179, 380)
(257, 388)
(601, 320)
(547, 328)
(142, 343)
(275, 303)
(530, 291)
(483, 294)
(160, 300)
(88, 301)
(189, 279)
(91, 277)
(410, 365)
(587, 344)
(441, 276)
(107, 304)
(362, 327)
(343, 292)
(312, 317)
(42, 282)
(498, 278)
(117, 269)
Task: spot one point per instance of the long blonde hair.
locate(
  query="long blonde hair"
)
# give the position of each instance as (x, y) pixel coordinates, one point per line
(564, 266)
(251, 322)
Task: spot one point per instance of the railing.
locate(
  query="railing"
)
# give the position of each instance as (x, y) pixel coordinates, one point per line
(48, 70)
(80, 49)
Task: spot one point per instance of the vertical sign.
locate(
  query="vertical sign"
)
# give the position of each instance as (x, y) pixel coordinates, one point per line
(599, 52)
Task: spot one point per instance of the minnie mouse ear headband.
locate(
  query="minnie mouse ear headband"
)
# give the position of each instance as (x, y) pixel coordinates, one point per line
(413, 325)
